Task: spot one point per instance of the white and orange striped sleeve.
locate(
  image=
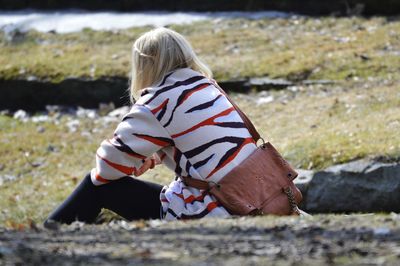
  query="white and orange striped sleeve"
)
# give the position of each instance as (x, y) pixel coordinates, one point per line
(136, 138)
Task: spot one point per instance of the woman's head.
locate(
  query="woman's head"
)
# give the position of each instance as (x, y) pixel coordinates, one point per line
(158, 52)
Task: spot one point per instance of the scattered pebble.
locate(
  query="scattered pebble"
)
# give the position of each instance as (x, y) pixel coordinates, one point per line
(119, 112)
(264, 100)
(105, 108)
(76, 226)
(6, 178)
(381, 231)
(86, 113)
(21, 115)
(40, 119)
(73, 125)
(40, 129)
(5, 251)
(52, 148)
(52, 225)
(107, 120)
(6, 113)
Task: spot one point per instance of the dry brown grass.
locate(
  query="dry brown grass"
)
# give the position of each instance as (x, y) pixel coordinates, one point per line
(297, 48)
(313, 128)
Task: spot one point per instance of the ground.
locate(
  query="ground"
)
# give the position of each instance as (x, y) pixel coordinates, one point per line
(314, 127)
(43, 157)
(321, 240)
(297, 48)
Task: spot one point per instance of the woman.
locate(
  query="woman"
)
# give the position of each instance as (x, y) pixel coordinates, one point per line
(181, 120)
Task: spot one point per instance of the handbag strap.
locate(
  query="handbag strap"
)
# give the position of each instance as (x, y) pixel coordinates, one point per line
(200, 184)
(196, 183)
(250, 126)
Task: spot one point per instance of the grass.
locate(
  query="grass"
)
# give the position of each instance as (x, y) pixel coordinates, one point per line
(315, 131)
(315, 127)
(296, 49)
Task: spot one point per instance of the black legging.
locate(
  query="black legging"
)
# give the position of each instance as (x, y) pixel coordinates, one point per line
(130, 198)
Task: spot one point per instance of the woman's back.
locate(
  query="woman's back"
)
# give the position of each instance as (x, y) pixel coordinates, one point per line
(184, 120)
(207, 136)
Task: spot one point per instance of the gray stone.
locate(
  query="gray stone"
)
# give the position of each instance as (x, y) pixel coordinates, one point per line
(265, 83)
(73, 125)
(302, 182)
(21, 115)
(105, 108)
(359, 186)
(119, 112)
(6, 113)
(264, 100)
(317, 81)
(6, 178)
(89, 93)
(86, 113)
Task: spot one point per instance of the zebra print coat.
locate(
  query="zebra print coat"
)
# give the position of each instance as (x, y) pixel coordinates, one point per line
(192, 128)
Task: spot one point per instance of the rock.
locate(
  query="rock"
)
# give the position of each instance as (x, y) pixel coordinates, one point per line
(6, 178)
(71, 91)
(6, 112)
(56, 109)
(66, 95)
(382, 231)
(105, 108)
(21, 115)
(317, 81)
(40, 119)
(235, 85)
(40, 129)
(264, 100)
(359, 186)
(265, 83)
(119, 112)
(83, 113)
(302, 182)
(303, 179)
(12, 34)
(31, 78)
(52, 148)
(73, 125)
(105, 121)
(51, 225)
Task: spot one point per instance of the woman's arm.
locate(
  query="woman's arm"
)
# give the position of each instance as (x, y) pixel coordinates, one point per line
(131, 151)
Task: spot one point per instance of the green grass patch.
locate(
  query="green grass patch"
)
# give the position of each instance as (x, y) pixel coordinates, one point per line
(301, 48)
(314, 128)
(317, 129)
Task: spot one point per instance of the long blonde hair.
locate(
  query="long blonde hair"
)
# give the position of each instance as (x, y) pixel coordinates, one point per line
(158, 52)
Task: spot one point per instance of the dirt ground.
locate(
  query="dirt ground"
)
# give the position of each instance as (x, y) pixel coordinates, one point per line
(363, 239)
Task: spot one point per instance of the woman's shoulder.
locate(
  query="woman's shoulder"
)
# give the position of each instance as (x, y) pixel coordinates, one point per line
(137, 111)
(170, 86)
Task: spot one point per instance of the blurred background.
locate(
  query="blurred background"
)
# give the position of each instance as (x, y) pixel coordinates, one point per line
(309, 7)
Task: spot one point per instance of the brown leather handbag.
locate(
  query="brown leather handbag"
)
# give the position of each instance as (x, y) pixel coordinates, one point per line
(261, 184)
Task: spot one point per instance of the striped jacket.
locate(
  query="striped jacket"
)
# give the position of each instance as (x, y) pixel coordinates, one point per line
(192, 128)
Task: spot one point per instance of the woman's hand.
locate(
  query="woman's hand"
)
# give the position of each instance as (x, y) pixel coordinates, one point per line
(149, 163)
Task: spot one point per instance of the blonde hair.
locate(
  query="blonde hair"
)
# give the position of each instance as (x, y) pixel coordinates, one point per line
(158, 52)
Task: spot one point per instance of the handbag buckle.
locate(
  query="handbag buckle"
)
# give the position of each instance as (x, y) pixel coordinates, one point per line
(263, 142)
